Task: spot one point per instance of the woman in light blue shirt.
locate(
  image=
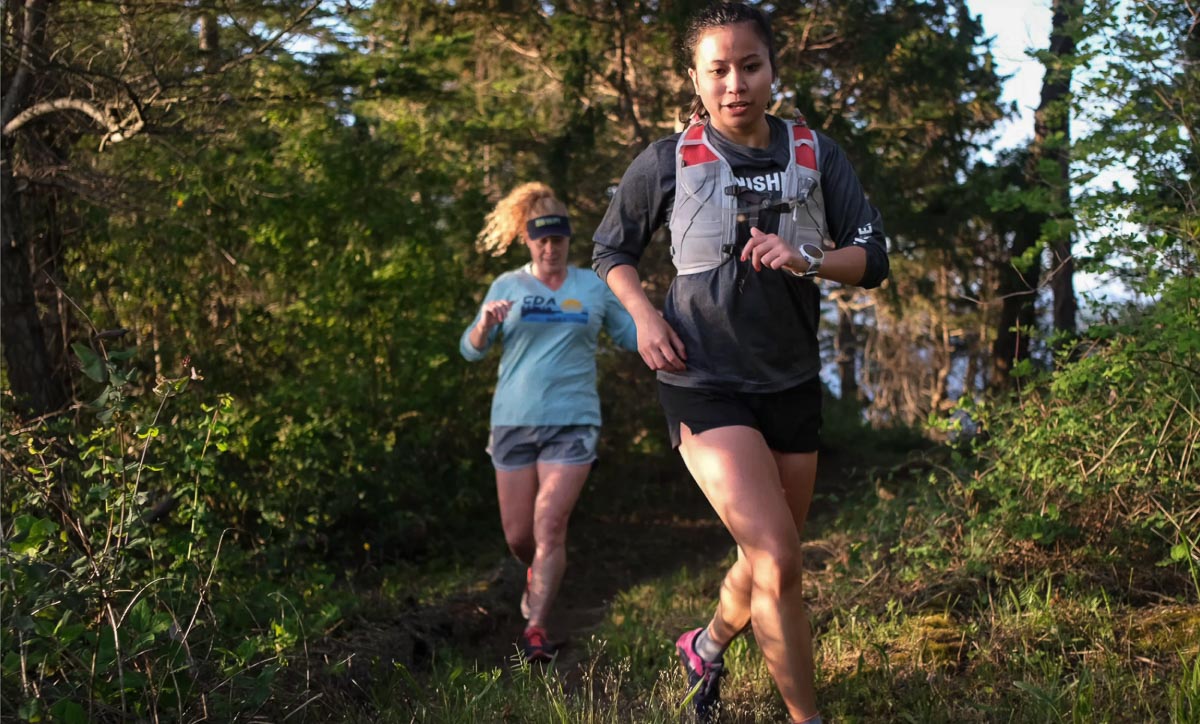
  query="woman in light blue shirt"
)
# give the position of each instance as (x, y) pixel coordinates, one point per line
(545, 420)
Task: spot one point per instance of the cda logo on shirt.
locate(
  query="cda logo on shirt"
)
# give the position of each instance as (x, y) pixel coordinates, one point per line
(543, 310)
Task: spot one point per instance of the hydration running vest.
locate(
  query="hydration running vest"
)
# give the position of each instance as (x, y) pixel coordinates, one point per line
(709, 201)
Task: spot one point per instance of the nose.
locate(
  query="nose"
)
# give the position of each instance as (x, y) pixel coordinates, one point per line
(737, 81)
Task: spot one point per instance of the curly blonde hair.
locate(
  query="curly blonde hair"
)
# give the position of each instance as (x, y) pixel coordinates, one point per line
(506, 222)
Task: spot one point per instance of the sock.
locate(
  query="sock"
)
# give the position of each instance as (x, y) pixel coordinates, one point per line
(707, 649)
(811, 720)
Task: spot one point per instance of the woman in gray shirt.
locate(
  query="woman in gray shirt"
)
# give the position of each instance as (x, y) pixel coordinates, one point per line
(758, 208)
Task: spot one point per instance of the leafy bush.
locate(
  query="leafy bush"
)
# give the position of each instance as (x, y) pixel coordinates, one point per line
(112, 608)
(1098, 460)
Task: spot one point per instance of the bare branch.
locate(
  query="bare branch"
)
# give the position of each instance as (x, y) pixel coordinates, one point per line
(59, 104)
(115, 131)
(269, 43)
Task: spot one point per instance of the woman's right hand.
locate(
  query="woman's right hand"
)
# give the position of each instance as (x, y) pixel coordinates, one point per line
(493, 313)
(660, 347)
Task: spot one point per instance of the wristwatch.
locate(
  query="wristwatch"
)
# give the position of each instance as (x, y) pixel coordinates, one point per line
(814, 255)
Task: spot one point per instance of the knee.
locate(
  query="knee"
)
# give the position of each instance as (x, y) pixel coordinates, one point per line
(742, 574)
(778, 569)
(522, 546)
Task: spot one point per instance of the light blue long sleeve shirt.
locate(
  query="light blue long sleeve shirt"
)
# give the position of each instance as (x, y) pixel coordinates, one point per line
(548, 361)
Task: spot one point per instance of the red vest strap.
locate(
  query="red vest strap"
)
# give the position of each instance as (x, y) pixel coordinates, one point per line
(805, 144)
(694, 151)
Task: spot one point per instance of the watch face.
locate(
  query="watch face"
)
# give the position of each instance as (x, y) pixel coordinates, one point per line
(812, 251)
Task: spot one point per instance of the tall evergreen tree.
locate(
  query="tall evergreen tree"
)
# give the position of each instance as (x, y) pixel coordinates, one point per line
(1051, 159)
(909, 91)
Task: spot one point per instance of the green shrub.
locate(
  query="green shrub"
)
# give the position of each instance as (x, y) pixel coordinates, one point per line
(122, 596)
(1097, 461)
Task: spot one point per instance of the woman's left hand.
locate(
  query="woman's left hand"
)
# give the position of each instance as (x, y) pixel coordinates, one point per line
(771, 251)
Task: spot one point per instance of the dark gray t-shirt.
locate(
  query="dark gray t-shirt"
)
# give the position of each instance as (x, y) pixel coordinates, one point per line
(743, 330)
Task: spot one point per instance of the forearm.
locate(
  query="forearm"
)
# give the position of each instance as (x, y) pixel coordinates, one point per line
(626, 285)
(846, 265)
(478, 336)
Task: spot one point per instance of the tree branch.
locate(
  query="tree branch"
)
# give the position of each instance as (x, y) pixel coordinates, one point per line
(115, 132)
(269, 43)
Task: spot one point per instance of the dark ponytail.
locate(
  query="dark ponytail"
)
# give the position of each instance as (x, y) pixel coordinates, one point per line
(695, 111)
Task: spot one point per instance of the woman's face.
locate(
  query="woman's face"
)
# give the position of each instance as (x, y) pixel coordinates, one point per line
(549, 252)
(732, 75)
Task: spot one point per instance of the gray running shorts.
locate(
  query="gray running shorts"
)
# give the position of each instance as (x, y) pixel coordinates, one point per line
(519, 446)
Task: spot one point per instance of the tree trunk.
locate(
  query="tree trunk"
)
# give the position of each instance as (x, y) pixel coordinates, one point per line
(30, 378)
(1018, 311)
(1052, 142)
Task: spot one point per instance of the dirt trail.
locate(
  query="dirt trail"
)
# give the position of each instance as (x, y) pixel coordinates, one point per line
(613, 544)
(609, 553)
(615, 548)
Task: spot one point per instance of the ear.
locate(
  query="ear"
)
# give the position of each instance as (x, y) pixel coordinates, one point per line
(692, 75)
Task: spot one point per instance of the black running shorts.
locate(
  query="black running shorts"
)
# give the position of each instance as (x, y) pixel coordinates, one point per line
(789, 420)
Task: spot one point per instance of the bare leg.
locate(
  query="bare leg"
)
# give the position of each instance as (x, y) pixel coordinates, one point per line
(797, 473)
(558, 490)
(733, 606)
(516, 490)
(742, 481)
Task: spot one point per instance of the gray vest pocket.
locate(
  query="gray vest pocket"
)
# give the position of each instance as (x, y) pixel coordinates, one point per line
(696, 236)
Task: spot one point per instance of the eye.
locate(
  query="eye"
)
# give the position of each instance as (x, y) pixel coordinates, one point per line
(753, 67)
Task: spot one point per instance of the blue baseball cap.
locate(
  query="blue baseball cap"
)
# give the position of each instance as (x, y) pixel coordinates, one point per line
(543, 226)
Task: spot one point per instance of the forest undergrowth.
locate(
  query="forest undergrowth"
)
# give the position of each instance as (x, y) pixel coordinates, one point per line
(1040, 566)
(1040, 563)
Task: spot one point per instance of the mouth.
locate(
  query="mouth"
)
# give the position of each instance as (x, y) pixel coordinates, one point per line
(738, 106)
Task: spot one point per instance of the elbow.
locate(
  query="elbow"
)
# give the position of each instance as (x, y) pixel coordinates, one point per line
(469, 352)
(599, 262)
(601, 266)
(873, 281)
(876, 272)
(604, 260)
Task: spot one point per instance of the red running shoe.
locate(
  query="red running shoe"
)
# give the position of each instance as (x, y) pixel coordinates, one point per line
(535, 646)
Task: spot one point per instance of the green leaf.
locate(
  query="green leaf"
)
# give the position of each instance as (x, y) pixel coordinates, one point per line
(69, 712)
(91, 363)
(30, 710)
(29, 533)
